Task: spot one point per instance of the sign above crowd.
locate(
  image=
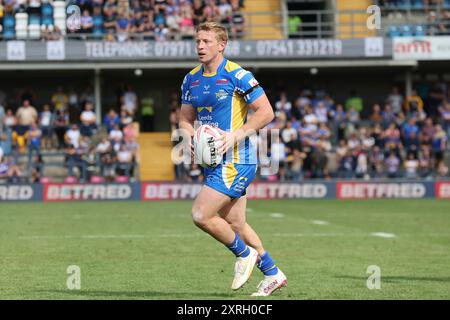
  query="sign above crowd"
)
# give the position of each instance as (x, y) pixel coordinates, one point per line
(88, 51)
(421, 48)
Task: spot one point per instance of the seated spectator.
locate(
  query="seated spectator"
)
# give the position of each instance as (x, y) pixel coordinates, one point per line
(444, 111)
(161, 33)
(88, 120)
(395, 100)
(137, 23)
(34, 136)
(111, 119)
(283, 104)
(195, 174)
(60, 99)
(187, 26)
(413, 103)
(9, 170)
(392, 163)
(125, 161)
(10, 119)
(439, 143)
(237, 23)
(122, 26)
(116, 136)
(375, 116)
(427, 132)
(86, 22)
(174, 20)
(74, 159)
(225, 12)
(125, 118)
(198, 8)
(72, 136)
(411, 167)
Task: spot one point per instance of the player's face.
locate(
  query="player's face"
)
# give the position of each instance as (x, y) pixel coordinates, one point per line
(208, 48)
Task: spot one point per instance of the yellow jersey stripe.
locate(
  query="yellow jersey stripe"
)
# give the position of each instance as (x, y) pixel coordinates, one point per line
(229, 173)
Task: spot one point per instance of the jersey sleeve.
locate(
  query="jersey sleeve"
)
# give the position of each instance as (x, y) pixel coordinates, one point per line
(185, 94)
(248, 86)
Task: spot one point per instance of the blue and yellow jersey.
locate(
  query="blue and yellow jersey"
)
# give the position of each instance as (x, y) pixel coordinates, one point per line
(221, 99)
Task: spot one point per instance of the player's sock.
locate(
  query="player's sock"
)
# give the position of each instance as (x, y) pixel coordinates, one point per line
(239, 248)
(266, 265)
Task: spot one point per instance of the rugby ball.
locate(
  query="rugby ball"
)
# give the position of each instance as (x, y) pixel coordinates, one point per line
(206, 146)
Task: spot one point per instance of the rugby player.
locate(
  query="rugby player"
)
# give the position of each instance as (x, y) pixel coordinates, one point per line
(219, 92)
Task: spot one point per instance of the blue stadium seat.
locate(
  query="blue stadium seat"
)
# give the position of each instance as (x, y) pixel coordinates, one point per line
(417, 4)
(393, 32)
(9, 21)
(47, 10)
(403, 4)
(48, 21)
(34, 19)
(419, 31)
(406, 31)
(9, 34)
(447, 4)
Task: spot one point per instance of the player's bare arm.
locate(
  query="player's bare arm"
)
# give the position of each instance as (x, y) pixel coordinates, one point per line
(263, 114)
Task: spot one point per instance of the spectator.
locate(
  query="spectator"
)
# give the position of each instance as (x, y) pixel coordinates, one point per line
(9, 170)
(45, 123)
(86, 22)
(444, 111)
(110, 120)
(237, 23)
(122, 26)
(34, 136)
(413, 103)
(354, 101)
(392, 163)
(60, 125)
(411, 167)
(438, 144)
(10, 119)
(72, 136)
(161, 33)
(129, 100)
(283, 104)
(147, 114)
(74, 159)
(6, 141)
(195, 174)
(60, 99)
(125, 118)
(375, 116)
(125, 161)
(88, 120)
(225, 12)
(395, 100)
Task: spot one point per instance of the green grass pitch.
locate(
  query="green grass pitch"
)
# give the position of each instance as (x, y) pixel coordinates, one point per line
(151, 250)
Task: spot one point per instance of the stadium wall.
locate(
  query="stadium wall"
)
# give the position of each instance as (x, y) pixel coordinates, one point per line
(154, 191)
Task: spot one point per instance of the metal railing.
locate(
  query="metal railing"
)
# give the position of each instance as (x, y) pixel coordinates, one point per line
(320, 24)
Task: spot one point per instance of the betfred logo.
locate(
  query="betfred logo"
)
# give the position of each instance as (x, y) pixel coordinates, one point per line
(74, 192)
(16, 192)
(442, 190)
(361, 190)
(411, 48)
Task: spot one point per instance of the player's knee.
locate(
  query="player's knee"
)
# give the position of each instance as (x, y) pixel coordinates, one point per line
(199, 218)
(237, 227)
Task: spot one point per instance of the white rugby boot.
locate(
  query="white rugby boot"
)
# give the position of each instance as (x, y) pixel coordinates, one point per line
(271, 283)
(243, 269)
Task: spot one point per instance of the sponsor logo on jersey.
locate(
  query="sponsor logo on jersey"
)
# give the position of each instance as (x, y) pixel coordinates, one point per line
(221, 94)
(200, 109)
(206, 87)
(195, 83)
(241, 73)
(222, 82)
(253, 82)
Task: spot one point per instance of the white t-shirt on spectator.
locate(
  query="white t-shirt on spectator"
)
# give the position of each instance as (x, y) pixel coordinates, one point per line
(88, 116)
(124, 156)
(322, 114)
(46, 117)
(277, 151)
(286, 106)
(116, 135)
(103, 146)
(130, 100)
(74, 137)
(286, 134)
(311, 121)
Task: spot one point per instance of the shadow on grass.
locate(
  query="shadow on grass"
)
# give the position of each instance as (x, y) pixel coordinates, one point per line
(389, 279)
(138, 294)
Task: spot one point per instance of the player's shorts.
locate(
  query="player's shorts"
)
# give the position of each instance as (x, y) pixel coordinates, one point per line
(231, 179)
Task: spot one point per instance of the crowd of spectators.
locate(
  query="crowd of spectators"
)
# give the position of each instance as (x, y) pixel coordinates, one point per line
(319, 137)
(121, 20)
(67, 125)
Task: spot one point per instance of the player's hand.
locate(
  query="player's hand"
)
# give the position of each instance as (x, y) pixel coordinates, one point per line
(227, 140)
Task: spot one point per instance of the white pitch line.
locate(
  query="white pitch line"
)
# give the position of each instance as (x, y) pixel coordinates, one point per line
(320, 222)
(277, 215)
(383, 234)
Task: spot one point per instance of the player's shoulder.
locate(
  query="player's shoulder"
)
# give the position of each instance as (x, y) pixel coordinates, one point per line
(235, 70)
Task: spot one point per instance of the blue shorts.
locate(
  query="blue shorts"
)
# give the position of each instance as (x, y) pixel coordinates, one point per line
(231, 179)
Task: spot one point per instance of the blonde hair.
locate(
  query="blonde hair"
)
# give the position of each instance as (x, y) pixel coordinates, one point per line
(221, 31)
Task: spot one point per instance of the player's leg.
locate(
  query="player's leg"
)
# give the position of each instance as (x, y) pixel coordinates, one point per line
(235, 214)
(204, 214)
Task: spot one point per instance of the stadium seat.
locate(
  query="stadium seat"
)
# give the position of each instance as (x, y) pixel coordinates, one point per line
(97, 179)
(45, 180)
(47, 21)
(34, 31)
(393, 31)
(47, 10)
(34, 19)
(419, 31)
(9, 34)
(447, 4)
(406, 31)
(417, 4)
(70, 179)
(9, 21)
(122, 179)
